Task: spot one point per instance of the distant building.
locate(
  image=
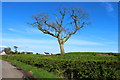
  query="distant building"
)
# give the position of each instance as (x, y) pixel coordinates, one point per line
(2, 53)
(46, 53)
(29, 52)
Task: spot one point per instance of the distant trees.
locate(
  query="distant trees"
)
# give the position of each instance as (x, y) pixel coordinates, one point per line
(7, 50)
(15, 47)
(12, 52)
(22, 52)
(62, 25)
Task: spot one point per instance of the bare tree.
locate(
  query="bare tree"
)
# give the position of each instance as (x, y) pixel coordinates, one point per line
(66, 22)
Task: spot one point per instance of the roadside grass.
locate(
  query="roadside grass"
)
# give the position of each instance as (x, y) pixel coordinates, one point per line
(37, 73)
(0, 57)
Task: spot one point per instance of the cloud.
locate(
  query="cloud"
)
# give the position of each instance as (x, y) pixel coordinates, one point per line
(52, 42)
(10, 29)
(3, 46)
(25, 30)
(13, 30)
(51, 45)
(31, 41)
(31, 44)
(83, 42)
(32, 30)
(109, 7)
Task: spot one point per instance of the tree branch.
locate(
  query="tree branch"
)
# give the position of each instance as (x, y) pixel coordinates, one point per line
(51, 26)
(47, 32)
(61, 28)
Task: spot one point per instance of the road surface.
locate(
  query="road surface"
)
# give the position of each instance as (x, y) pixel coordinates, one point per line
(9, 71)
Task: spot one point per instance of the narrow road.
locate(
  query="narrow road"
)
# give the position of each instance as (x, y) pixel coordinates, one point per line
(9, 71)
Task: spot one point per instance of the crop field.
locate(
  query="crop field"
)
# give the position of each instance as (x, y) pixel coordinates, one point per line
(75, 65)
(84, 56)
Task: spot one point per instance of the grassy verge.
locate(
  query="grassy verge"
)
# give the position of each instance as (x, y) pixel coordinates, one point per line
(37, 73)
(0, 57)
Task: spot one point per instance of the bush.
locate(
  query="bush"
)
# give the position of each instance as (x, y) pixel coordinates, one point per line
(70, 68)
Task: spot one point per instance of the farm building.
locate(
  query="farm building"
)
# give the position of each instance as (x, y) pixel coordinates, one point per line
(29, 52)
(2, 53)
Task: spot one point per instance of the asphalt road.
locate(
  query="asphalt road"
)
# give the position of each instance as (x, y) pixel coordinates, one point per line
(9, 71)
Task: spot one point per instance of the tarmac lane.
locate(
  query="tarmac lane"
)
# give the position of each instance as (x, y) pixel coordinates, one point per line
(9, 71)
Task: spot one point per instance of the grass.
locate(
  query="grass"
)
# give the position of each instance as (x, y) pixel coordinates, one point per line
(83, 56)
(37, 73)
(0, 57)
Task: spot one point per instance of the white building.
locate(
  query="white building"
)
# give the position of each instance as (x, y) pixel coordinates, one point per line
(2, 53)
(46, 53)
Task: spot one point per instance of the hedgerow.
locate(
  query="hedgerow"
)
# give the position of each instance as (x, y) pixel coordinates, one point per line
(74, 68)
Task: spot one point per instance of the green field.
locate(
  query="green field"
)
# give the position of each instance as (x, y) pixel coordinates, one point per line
(75, 65)
(84, 56)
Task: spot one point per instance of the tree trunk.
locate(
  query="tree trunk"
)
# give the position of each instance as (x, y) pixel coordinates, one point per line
(62, 48)
(61, 44)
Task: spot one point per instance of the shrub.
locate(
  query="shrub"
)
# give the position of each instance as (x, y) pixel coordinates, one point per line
(74, 68)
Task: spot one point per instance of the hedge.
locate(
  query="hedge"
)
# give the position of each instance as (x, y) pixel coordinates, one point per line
(74, 69)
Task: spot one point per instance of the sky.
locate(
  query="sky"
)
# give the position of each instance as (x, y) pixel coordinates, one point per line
(59, 0)
(100, 36)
